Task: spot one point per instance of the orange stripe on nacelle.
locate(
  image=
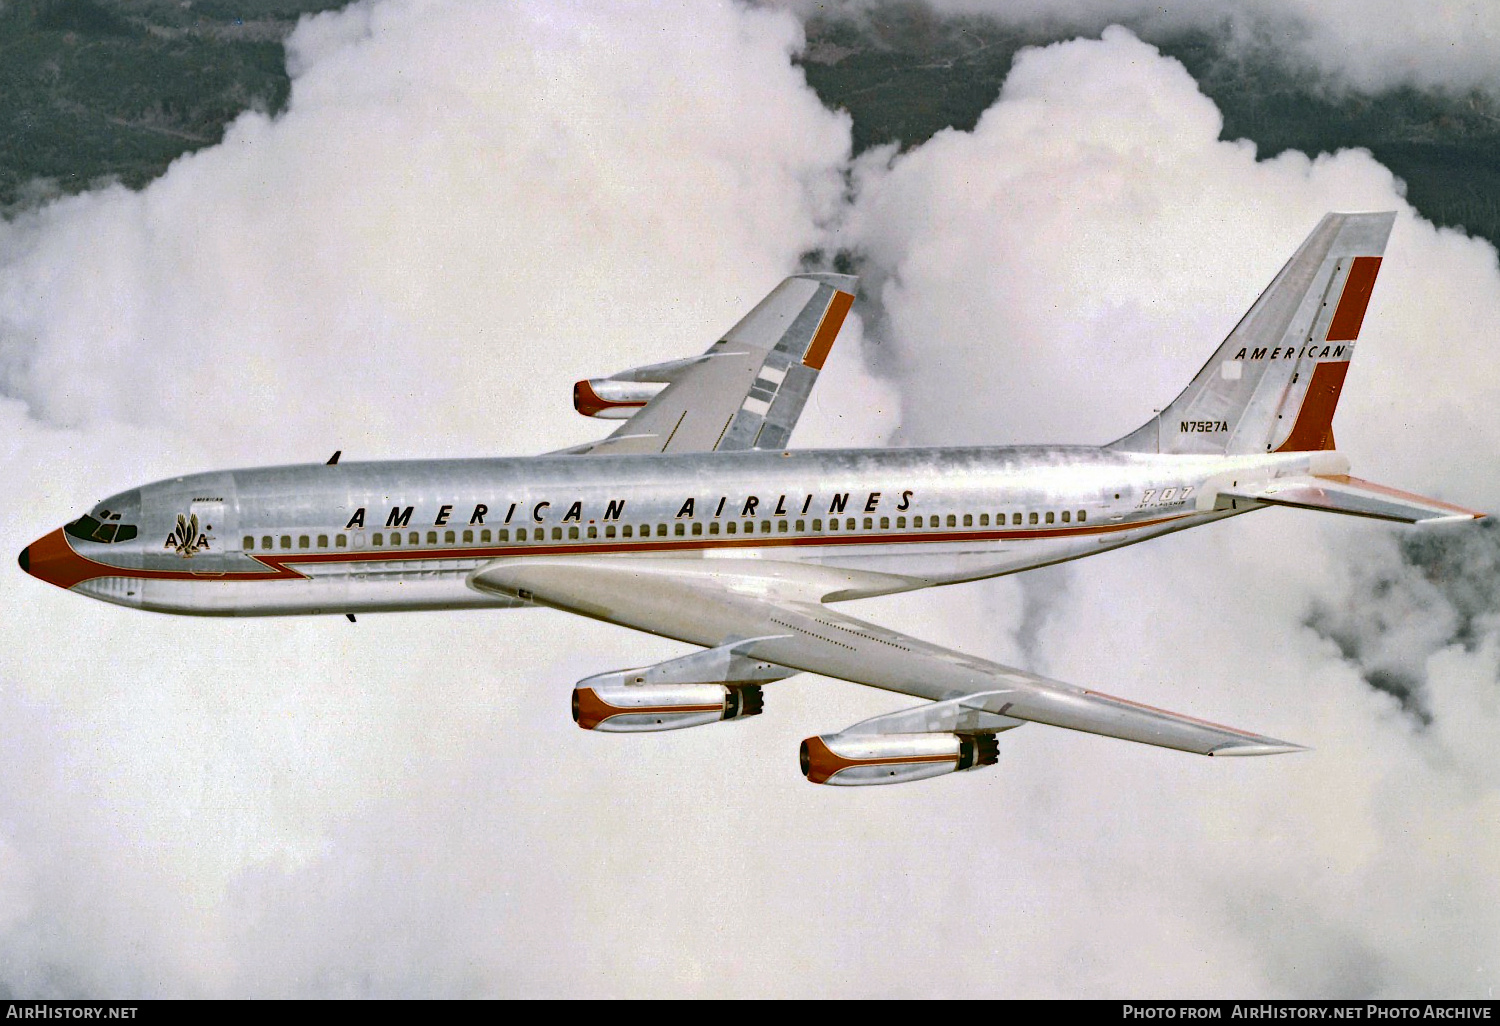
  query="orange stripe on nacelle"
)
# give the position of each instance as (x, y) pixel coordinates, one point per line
(833, 320)
(590, 403)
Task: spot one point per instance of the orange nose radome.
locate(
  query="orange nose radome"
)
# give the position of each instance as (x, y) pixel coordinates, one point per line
(51, 559)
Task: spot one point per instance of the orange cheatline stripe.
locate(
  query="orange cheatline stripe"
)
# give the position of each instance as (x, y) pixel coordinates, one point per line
(1351, 309)
(81, 568)
(828, 330)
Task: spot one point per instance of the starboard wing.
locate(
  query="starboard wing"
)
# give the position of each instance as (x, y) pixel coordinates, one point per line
(780, 606)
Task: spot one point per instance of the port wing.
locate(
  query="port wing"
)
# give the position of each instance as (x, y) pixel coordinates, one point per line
(746, 392)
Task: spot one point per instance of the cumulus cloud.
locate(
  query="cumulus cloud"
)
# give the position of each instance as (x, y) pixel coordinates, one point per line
(1055, 274)
(466, 208)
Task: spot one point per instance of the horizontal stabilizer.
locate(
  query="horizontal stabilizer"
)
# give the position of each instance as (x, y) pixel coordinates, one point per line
(1343, 494)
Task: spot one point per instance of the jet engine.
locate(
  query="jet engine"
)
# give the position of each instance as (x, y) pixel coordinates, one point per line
(631, 708)
(859, 759)
(611, 399)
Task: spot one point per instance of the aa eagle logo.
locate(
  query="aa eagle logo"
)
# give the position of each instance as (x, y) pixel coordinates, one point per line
(185, 538)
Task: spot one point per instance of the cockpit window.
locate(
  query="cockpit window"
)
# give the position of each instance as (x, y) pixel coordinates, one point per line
(89, 529)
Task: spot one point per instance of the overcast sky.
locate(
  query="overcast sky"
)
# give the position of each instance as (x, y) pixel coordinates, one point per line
(467, 207)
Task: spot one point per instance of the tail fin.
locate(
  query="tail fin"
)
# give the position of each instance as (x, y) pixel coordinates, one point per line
(1275, 381)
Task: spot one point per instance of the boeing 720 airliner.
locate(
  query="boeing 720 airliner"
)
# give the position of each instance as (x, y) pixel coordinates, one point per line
(695, 521)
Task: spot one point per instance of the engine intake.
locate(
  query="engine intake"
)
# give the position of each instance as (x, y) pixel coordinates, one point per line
(857, 760)
(632, 708)
(609, 399)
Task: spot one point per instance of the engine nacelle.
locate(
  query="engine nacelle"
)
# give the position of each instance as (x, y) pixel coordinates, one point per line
(859, 759)
(612, 399)
(630, 708)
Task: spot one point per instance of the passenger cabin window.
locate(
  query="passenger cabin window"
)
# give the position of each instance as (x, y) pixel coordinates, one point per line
(395, 537)
(1082, 516)
(713, 528)
(781, 526)
(1033, 518)
(501, 535)
(341, 541)
(731, 527)
(557, 533)
(1066, 516)
(1015, 518)
(661, 530)
(286, 541)
(1049, 516)
(249, 541)
(765, 527)
(625, 531)
(609, 530)
(801, 526)
(984, 520)
(448, 537)
(680, 531)
(520, 534)
(697, 528)
(952, 520)
(885, 523)
(303, 542)
(265, 541)
(573, 533)
(431, 538)
(376, 540)
(900, 523)
(849, 524)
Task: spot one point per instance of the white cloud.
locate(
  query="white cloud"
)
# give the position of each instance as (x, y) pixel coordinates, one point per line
(1054, 274)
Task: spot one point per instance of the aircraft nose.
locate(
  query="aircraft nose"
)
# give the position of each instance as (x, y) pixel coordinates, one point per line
(51, 559)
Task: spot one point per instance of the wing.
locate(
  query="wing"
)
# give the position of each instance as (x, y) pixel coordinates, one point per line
(746, 392)
(776, 613)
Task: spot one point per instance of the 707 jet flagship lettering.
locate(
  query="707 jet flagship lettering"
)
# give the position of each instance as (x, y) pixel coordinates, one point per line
(694, 521)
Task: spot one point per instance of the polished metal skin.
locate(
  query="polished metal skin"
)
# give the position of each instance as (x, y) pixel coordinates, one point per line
(694, 522)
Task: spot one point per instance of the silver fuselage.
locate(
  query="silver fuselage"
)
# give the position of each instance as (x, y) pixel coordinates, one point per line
(366, 537)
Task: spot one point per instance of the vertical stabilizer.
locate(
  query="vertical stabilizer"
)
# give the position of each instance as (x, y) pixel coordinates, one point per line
(1274, 383)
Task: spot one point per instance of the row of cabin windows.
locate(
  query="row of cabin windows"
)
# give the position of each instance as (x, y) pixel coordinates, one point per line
(394, 539)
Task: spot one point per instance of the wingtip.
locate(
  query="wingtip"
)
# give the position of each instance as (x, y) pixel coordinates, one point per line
(1273, 748)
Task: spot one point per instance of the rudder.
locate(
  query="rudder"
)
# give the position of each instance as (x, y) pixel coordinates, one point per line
(1275, 382)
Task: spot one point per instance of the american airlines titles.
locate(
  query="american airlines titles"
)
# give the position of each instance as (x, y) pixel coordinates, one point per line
(1288, 352)
(543, 511)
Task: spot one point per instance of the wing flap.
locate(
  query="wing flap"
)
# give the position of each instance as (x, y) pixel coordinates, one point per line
(1349, 495)
(774, 612)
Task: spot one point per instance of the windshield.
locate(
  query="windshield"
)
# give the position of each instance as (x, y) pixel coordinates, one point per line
(104, 529)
